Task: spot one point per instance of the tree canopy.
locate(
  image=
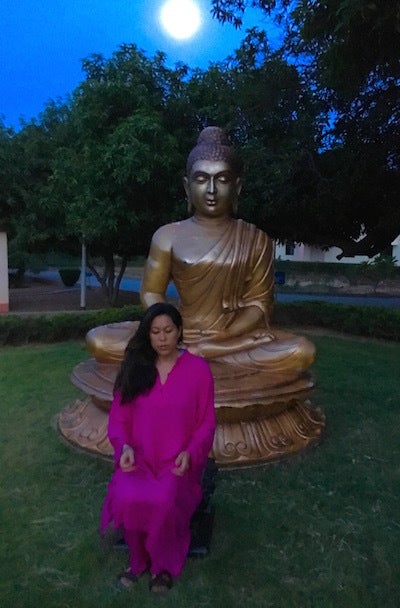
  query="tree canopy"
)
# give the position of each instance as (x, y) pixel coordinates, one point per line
(317, 123)
(348, 54)
(106, 166)
(110, 164)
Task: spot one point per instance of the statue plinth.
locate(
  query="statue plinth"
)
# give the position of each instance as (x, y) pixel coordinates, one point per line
(261, 417)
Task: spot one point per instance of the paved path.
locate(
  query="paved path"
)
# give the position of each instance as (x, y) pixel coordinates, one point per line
(367, 300)
(133, 284)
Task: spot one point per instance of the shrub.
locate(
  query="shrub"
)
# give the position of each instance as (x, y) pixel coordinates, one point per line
(54, 327)
(369, 321)
(69, 276)
(383, 266)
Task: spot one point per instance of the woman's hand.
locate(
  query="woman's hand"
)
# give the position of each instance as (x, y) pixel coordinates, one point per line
(182, 464)
(127, 460)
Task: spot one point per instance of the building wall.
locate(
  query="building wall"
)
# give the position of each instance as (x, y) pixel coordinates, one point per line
(396, 250)
(305, 253)
(4, 302)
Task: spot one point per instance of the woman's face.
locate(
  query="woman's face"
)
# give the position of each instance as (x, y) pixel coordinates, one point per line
(164, 335)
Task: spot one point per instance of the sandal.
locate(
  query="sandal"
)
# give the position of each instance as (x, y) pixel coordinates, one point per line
(127, 578)
(159, 583)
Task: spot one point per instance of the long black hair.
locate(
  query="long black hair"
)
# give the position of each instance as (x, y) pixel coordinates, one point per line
(138, 371)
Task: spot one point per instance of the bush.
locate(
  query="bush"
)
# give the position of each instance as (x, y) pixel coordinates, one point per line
(55, 327)
(369, 321)
(69, 276)
(383, 266)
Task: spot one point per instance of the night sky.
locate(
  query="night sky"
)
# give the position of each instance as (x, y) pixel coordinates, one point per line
(42, 44)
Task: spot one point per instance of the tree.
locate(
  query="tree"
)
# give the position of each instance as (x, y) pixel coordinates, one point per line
(348, 53)
(356, 50)
(320, 147)
(270, 116)
(101, 167)
(7, 176)
(114, 156)
(113, 178)
(231, 11)
(35, 223)
(25, 165)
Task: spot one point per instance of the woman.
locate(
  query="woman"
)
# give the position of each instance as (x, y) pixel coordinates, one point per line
(161, 426)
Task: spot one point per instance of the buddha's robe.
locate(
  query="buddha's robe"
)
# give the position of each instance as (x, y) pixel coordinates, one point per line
(231, 272)
(236, 273)
(217, 277)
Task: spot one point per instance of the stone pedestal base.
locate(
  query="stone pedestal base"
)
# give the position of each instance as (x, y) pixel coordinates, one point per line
(85, 425)
(236, 444)
(261, 440)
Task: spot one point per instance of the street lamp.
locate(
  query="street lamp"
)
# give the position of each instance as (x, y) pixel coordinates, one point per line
(83, 276)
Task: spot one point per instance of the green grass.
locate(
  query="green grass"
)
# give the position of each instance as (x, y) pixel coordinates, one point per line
(319, 531)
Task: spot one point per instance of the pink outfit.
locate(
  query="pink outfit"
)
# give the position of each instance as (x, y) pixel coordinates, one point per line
(151, 503)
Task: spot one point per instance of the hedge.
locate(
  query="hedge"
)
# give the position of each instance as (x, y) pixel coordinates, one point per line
(373, 271)
(369, 321)
(55, 327)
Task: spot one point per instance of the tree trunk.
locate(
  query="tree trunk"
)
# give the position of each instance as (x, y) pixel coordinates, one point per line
(124, 262)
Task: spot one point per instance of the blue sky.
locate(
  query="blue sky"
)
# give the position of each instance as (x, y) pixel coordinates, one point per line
(42, 44)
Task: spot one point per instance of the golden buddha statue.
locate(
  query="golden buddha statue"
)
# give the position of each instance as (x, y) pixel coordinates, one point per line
(223, 271)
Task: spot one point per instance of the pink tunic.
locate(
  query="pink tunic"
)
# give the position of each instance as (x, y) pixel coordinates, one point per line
(151, 503)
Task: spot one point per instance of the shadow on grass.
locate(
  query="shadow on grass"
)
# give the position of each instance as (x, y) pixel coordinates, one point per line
(320, 530)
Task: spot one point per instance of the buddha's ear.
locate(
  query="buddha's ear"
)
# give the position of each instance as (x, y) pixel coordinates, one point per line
(238, 188)
(186, 185)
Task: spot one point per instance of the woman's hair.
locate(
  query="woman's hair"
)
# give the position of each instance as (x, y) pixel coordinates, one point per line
(138, 371)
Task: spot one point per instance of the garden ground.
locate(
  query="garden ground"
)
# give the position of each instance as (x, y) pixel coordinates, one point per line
(53, 296)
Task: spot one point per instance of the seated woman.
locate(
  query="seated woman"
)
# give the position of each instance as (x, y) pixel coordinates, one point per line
(161, 426)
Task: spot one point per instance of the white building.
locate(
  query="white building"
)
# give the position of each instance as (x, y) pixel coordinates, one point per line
(396, 250)
(299, 252)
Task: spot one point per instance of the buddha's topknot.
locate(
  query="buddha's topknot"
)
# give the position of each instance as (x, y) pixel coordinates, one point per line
(213, 144)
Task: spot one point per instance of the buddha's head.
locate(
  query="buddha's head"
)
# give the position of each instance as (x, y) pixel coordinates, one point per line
(213, 175)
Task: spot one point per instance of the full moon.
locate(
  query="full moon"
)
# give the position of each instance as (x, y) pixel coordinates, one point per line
(180, 18)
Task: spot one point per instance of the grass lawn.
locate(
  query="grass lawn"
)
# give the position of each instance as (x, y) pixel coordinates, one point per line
(319, 531)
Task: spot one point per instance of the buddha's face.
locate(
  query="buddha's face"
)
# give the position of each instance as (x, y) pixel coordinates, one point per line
(212, 188)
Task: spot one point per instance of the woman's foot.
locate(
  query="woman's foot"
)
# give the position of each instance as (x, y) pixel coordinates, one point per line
(159, 583)
(127, 578)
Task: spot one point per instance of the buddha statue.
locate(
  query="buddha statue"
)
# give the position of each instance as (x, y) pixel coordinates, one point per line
(222, 268)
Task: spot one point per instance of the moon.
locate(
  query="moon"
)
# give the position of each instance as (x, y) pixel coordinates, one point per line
(181, 19)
